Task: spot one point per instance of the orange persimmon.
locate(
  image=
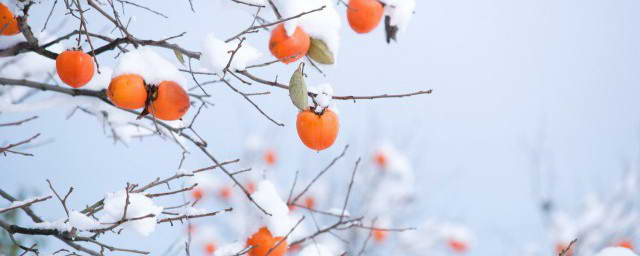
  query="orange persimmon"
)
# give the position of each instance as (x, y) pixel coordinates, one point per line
(626, 244)
(8, 22)
(317, 131)
(458, 246)
(197, 193)
(289, 48)
(127, 91)
(270, 157)
(262, 241)
(309, 202)
(364, 15)
(171, 101)
(380, 158)
(379, 235)
(209, 248)
(74, 68)
(225, 193)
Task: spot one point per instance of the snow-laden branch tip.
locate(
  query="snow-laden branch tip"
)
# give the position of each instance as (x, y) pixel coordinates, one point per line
(24, 203)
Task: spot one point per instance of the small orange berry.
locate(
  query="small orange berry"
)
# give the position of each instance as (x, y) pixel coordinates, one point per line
(127, 91)
(458, 246)
(317, 132)
(309, 202)
(74, 68)
(262, 241)
(289, 48)
(209, 248)
(381, 159)
(197, 193)
(379, 235)
(8, 23)
(270, 157)
(225, 193)
(364, 15)
(171, 102)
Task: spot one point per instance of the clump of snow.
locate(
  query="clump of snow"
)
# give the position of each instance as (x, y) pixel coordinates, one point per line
(324, 24)
(400, 12)
(83, 222)
(140, 205)
(184, 172)
(190, 211)
(216, 54)
(59, 225)
(616, 251)
(151, 66)
(279, 223)
(230, 249)
(324, 94)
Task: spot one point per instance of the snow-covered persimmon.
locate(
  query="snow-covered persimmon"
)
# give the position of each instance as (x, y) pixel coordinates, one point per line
(289, 48)
(127, 91)
(270, 157)
(8, 23)
(197, 193)
(262, 241)
(626, 244)
(209, 248)
(74, 68)
(379, 235)
(171, 101)
(458, 246)
(317, 131)
(364, 15)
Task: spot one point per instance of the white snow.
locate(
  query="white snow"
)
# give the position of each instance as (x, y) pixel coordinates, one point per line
(83, 222)
(230, 249)
(17, 204)
(59, 225)
(184, 172)
(400, 12)
(216, 53)
(279, 223)
(139, 206)
(151, 66)
(616, 251)
(324, 24)
(324, 93)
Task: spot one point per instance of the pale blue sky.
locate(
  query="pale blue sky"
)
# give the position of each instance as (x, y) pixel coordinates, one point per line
(501, 70)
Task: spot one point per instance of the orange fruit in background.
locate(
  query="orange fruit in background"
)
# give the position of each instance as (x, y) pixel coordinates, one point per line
(209, 248)
(380, 159)
(317, 132)
(626, 244)
(458, 246)
(197, 193)
(309, 202)
(364, 15)
(270, 157)
(127, 91)
(561, 247)
(74, 68)
(8, 23)
(289, 48)
(251, 187)
(379, 235)
(171, 102)
(225, 193)
(262, 241)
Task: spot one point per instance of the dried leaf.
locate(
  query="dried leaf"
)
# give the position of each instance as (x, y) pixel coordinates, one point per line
(320, 52)
(298, 89)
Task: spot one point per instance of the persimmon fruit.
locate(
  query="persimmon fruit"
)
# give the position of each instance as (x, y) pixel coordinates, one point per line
(309, 202)
(289, 48)
(171, 101)
(197, 193)
(364, 15)
(74, 68)
(262, 241)
(380, 159)
(209, 248)
(379, 235)
(626, 244)
(458, 246)
(8, 22)
(225, 193)
(127, 91)
(270, 157)
(317, 131)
